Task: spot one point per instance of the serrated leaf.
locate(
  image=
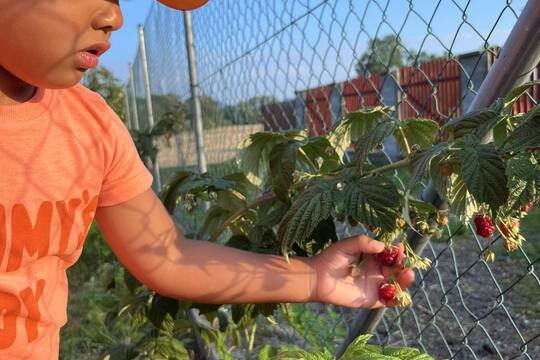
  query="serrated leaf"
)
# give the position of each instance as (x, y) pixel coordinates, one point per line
(367, 142)
(282, 162)
(470, 122)
(462, 203)
(318, 155)
(423, 208)
(527, 134)
(419, 132)
(404, 353)
(523, 173)
(420, 163)
(354, 125)
(422, 357)
(254, 151)
(484, 174)
(372, 201)
(214, 217)
(310, 207)
(356, 345)
(516, 92)
(440, 183)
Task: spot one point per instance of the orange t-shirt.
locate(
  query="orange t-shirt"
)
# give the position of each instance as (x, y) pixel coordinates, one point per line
(62, 154)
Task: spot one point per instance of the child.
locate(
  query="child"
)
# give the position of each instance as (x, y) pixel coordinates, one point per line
(66, 158)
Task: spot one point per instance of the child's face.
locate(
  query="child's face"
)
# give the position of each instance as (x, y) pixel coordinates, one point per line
(40, 39)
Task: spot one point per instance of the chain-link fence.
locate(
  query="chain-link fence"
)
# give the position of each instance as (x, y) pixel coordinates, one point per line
(279, 65)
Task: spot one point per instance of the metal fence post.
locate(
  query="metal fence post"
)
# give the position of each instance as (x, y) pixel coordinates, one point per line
(194, 85)
(517, 60)
(134, 96)
(155, 164)
(126, 103)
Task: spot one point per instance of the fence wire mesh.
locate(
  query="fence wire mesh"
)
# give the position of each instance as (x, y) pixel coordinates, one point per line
(279, 65)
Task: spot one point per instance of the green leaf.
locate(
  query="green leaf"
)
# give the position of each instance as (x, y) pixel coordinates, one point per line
(168, 194)
(214, 217)
(527, 134)
(422, 357)
(516, 92)
(523, 172)
(204, 182)
(367, 142)
(484, 174)
(318, 155)
(470, 122)
(420, 163)
(462, 203)
(254, 152)
(324, 233)
(282, 165)
(310, 207)
(268, 352)
(404, 353)
(230, 200)
(423, 208)
(372, 201)
(354, 125)
(419, 132)
(440, 183)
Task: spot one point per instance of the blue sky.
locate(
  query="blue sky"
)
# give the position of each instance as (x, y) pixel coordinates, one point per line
(221, 44)
(125, 41)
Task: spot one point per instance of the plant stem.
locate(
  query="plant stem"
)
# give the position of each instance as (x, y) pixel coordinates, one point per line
(392, 166)
(239, 212)
(405, 142)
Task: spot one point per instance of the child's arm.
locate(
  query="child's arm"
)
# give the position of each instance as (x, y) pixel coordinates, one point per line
(146, 240)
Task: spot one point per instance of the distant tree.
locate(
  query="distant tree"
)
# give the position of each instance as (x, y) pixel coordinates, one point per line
(247, 112)
(212, 112)
(384, 54)
(102, 81)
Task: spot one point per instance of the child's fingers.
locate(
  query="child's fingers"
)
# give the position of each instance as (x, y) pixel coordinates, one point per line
(406, 279)
(356, 245)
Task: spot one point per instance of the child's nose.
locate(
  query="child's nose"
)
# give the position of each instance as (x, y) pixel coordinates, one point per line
(109, 18)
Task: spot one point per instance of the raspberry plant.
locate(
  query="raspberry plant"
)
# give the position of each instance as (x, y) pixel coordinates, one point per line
(292, 190)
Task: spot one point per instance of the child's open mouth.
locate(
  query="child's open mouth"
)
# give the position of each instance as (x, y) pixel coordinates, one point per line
(87, 59)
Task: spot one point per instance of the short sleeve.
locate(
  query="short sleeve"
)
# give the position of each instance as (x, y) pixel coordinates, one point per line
(125, 175)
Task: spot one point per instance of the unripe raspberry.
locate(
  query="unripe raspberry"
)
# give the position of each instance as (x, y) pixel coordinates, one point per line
(388, 256)
(442, 219)
(484, 225)
(387, 292)
(513, 226)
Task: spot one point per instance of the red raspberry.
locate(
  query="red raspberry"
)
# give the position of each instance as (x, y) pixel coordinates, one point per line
(387, 292)
(484, 225)
(504, 230)
(388, 256)
(526, 207)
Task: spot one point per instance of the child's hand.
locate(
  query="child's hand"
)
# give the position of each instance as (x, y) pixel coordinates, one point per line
(336, 285)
